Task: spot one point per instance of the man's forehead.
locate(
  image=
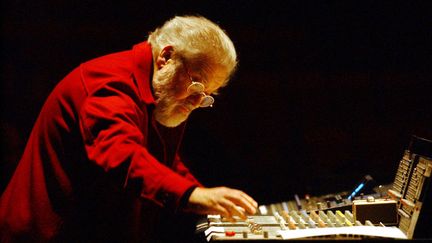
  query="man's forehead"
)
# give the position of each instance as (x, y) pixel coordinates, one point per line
(214, 80)
(213, 76)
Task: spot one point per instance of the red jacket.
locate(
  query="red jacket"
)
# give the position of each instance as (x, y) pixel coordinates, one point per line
(92, 151)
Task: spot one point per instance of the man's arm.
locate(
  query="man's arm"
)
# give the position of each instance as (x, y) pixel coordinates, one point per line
(112, 124)
(180, 168)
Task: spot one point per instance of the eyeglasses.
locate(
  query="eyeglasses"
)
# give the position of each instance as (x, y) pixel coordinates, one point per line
(198, 88)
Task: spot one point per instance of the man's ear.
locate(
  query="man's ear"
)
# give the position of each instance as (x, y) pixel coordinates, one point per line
(164, 56)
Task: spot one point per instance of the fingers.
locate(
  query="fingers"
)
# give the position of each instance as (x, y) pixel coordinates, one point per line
(243, 200)
(225, 208)
(251, 203)
(221, 210)
(250, 200)
(237, 203)
(233, 209)
(221, 200)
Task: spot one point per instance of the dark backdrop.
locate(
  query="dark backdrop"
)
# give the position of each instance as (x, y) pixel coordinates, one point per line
(325, 93)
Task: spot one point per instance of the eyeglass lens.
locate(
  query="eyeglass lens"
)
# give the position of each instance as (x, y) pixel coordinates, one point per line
(207, 101)
(198, 88)
(195, 87)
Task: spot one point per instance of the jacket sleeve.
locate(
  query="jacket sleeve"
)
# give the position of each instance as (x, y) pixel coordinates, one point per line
(114, 129)
(180, 168)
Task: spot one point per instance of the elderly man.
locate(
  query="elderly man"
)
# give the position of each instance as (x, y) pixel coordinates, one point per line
(104, 149)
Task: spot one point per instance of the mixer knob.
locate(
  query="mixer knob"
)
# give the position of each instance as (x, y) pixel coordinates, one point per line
(230, 233)
(307, 198)
(319, 206)
(338, 198)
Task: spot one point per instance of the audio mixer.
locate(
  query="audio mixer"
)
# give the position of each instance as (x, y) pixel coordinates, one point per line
(394, 211)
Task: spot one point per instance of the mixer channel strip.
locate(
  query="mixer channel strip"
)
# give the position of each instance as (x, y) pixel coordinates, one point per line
(411, 204)
(403, 173)
(391, 212)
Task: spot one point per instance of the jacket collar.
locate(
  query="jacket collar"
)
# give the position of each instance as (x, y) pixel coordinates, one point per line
(143, 70)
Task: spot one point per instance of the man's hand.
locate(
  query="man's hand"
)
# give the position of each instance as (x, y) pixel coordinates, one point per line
(224, 201)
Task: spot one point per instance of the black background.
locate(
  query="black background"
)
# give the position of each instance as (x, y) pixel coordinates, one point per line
(325, 93)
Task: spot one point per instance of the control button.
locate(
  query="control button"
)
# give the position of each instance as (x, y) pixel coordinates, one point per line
(304, 215)
(263, 210)
(331, 215)
(307, 198)
(407, 202)
(402, 213)
(230, 233)
(321, 223)
(291, 223)
(311, 223)
(313, 215)
(338, 198)
(337, 223)
(349, 216)
(370, 199)
(394, 193)
(322, 215)
(329, 223)
(369, 223)
(285, 215)
(298, 202)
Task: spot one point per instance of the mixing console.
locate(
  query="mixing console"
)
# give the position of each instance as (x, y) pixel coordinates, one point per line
(388, 212)
(297, 225)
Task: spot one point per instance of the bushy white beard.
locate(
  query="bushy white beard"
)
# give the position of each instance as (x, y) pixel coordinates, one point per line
(163, 84)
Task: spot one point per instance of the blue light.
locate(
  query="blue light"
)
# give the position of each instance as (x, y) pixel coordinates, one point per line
(356, 191)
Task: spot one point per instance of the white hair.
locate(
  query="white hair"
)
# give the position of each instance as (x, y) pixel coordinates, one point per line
(198, 43)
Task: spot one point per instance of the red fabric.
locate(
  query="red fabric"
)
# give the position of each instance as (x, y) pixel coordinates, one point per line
(91, 143)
